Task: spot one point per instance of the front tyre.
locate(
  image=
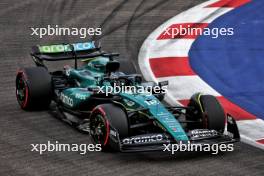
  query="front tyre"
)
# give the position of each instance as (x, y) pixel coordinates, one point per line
(33, 88)
(207, 110)
(102, 118)
(214, 115)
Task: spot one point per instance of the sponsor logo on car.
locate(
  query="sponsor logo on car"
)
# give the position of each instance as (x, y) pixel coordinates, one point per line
(143, 139)
(80, 96)
(66, 48)
(202, 133)
(67, 100)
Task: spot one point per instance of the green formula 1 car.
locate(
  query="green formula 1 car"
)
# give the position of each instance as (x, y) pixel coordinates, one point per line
(122, 121)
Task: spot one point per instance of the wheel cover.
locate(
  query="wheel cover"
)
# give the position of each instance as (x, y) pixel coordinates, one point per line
(99, 129)
(21, 91)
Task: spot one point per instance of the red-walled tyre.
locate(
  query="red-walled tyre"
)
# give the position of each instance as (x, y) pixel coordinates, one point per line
(33, 88)
(101, 118)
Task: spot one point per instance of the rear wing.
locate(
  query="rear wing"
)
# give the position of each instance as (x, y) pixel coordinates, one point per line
(65, 51)
(75, 51)
(57, 52)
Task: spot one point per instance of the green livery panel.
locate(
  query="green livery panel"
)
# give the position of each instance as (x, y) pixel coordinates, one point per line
(90, 75)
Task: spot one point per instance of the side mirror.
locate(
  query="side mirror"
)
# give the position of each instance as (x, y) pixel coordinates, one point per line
(163, 83)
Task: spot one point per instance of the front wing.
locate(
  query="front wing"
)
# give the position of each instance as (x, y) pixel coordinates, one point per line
(158, 141)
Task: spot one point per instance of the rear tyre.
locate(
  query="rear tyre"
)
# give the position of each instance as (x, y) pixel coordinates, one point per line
(102, 117)
(209, 111)
(33, 88)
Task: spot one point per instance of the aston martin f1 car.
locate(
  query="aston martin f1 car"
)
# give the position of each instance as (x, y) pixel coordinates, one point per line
(123, 121)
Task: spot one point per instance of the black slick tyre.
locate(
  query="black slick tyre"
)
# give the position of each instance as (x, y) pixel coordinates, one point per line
(102, 118)
(33, 88)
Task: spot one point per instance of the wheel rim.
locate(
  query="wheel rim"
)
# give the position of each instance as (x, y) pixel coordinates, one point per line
(22, 91)
(99, 129)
